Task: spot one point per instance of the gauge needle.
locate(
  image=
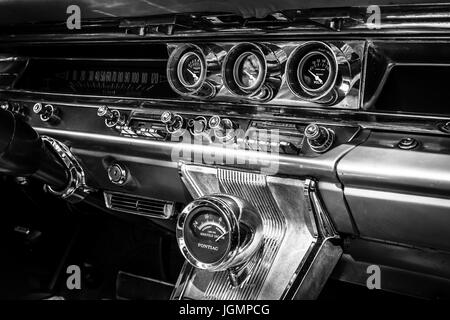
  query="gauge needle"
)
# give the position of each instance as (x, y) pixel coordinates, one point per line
(193, 74)
(316, 77)
(221, 236)
(249, 75)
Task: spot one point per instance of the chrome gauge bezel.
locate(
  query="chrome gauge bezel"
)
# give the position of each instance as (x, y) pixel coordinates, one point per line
(209, 82)
(237, 66)
(270, 60)
(180, 65)
(294, 68)
(222, 208)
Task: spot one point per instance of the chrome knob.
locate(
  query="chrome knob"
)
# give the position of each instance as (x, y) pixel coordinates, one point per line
(112, 117)
(117, 174)
(105, 112)
(223, 128)
(167, 117)
(198, 125)
(4, 105)
(319, 138)
(47, 112)
(234, 237)
(175, 124)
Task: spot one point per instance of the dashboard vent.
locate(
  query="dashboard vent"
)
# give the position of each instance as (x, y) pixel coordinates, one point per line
(147, 207)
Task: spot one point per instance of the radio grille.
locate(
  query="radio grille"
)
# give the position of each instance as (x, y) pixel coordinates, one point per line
(148, 207)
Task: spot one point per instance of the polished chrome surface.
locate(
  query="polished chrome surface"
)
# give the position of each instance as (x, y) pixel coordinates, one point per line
(320, 139)
(209, 80)
(46, 112)
(289, 209)
(272, 86)
(242, 221)
(117, 174)
(270, 60)
(113, 117)
(76, 189)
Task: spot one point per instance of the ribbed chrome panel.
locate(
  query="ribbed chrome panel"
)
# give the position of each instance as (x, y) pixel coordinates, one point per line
(253, 187)
(138, 205)
(299, 250)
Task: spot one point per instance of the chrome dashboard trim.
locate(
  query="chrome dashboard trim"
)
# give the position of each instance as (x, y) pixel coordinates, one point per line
(322, 166)
(428, 124)
(295, 227)
(76, 189)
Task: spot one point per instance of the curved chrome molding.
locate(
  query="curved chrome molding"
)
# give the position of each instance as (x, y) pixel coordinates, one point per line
(271, 59)
(297, 257)
(76, 190)
(325, 226)
(210, 80)
(236, 213)
(337, 86)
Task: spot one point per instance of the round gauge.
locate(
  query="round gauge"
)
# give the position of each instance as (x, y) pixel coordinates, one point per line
(207, 235)
(314, 71)
(190, 69)
(248, 71)
(244, 70)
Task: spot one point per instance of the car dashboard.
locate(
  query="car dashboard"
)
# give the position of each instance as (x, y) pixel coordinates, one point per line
(280, 151)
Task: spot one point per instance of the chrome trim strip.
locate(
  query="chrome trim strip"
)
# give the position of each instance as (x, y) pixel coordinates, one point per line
(76, 189)
(322, 166)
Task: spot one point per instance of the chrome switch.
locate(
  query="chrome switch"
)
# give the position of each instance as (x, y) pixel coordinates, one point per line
(112, 117)
(47, 112)
(319, 138)
(117, 174)
(175, 124)
(224, 129)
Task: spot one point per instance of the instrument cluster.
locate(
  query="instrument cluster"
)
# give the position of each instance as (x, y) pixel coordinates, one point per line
(305, 73)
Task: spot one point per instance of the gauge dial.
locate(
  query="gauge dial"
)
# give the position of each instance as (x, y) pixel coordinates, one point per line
(314, 71)
(190, 70)
(248, 71)
(208, 236)
(244, 69)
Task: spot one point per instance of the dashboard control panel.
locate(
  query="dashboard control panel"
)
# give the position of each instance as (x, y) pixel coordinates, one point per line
(293, 138)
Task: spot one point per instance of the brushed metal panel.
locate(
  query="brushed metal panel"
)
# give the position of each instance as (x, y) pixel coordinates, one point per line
(402, 218)
(379, 164)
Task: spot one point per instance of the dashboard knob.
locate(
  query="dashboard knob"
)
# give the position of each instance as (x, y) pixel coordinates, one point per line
(167, 117)
(4, 105)
(175, 124)
(319, 138)
(112, 117)
(223, 128)
(105, 112)
(198, 125)
(47, 112)
(220, 232)
(117, 174)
